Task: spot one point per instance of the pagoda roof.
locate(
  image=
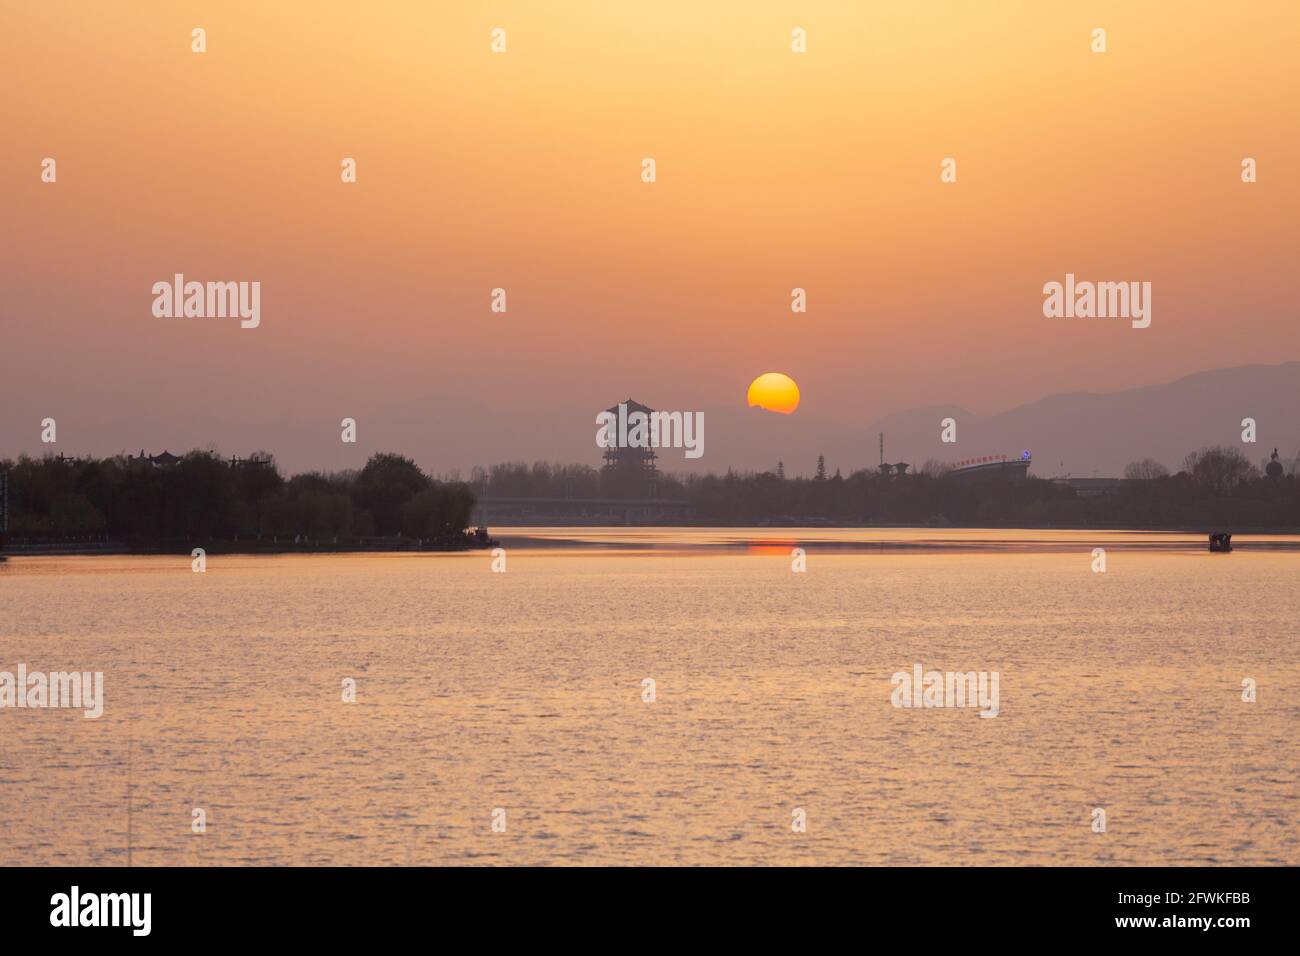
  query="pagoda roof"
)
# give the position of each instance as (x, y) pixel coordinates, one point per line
(632, 406)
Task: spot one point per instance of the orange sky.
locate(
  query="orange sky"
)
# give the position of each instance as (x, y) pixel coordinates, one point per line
(522, 170)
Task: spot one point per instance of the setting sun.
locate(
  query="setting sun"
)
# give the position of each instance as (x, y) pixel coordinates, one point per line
(774, 392)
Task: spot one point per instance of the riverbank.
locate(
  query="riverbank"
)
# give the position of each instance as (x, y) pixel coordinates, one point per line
(469, 541)
(825, 524)
(880, 540)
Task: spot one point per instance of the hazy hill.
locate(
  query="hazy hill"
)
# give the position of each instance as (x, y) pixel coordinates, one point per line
(1079, 433)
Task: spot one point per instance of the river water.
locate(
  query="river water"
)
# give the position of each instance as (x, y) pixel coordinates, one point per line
(507, 717)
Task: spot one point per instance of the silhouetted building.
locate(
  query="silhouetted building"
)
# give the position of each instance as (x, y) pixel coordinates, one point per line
(166, 458)
(992, 468)
(630, 471)
(254, 462)
(622, 458)
(1274, 467)
(1092, 487)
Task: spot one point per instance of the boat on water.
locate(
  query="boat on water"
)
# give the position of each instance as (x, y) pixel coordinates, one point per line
(1220, 542)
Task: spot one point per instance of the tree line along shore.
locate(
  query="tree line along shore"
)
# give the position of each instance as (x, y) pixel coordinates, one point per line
(128, 503)
(136, 504)
(1215, 488)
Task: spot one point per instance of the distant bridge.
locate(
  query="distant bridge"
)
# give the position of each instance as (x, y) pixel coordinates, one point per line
(625, 509)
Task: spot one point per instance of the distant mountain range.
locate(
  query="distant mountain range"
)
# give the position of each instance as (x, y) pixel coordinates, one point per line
(1080, 433)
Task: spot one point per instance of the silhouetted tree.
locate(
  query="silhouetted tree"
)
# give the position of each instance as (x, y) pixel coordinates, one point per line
(1219, 468)
(1148, 469)
(385, 485)
(204, 497)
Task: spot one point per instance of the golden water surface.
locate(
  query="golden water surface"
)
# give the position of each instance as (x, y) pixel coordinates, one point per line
(524, 692)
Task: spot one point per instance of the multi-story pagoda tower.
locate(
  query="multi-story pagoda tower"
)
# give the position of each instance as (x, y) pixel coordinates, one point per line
(628, 471)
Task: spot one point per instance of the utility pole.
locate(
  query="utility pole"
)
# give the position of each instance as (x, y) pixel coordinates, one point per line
(882, 448)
